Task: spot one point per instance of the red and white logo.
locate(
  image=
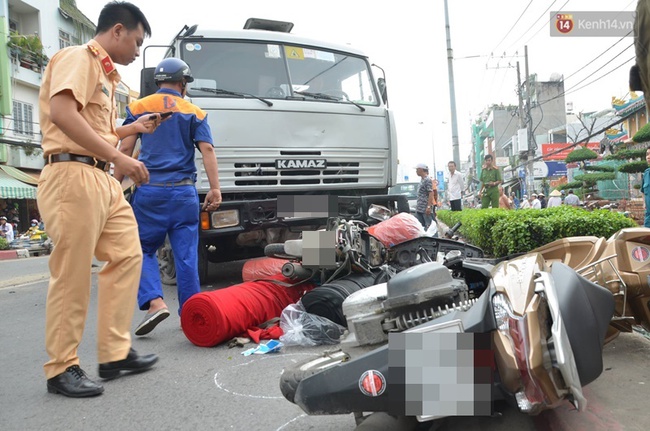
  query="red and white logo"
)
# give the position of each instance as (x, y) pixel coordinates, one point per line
(372, 383)
(640, 254)
(564, 23)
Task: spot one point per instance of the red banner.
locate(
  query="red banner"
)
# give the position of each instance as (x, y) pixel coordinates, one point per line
(561, 151)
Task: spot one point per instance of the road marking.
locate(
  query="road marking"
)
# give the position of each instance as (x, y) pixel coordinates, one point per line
(221, 386)
(292, 420)
(28, 280)
(24, 280)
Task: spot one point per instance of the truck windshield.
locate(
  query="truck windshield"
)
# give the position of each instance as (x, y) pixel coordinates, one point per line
(277, 71)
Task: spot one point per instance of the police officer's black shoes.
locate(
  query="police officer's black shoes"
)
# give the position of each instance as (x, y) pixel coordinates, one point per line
(133, 362)
(74, 382)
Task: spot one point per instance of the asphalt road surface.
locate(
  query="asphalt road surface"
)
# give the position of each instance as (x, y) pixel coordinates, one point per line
(219, 389)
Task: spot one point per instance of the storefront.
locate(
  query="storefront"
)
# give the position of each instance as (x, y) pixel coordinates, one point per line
(17, 198)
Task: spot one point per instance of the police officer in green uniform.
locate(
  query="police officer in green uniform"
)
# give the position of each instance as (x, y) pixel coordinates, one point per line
(490, 180)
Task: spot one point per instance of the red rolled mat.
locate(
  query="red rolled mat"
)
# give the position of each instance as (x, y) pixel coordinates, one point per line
(210, 318)
(262, 267)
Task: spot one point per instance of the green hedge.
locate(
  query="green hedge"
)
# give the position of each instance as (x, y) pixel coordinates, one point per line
(4, 245)
(501, 232)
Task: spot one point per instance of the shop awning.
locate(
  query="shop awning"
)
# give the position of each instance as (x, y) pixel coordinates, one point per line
(11, 188)
(20, 175)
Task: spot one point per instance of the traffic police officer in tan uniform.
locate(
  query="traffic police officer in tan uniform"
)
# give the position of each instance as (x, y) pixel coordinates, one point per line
(77, 118)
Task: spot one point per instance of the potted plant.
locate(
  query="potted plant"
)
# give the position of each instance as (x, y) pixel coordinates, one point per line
(27, 50)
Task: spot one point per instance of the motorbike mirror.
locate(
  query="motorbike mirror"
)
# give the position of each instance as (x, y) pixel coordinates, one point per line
(379, 212)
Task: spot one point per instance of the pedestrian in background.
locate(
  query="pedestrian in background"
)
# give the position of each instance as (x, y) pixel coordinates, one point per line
(455, 187)
(490, 180)
(525, 202)
(515, 200)
(534, 202)
(504, 200)
(555, 199)
(645, 188)
(77, 119)
(169, 204)
(542, 199)
(6, 229)
(573, 200)
(427, 196)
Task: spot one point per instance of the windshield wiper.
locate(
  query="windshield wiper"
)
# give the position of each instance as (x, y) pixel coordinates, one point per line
(328, 97)
(232, 93)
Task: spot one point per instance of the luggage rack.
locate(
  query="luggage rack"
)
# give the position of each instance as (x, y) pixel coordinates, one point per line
(595, 272)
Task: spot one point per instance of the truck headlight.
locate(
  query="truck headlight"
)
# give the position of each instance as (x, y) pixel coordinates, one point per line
(221, 219)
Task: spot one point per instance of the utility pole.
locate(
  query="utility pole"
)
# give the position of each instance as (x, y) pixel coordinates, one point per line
(521, 99)
(529, 128)
(452, 92)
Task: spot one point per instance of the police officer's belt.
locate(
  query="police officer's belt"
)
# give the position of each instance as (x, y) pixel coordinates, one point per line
(185, 182)
(69, 157)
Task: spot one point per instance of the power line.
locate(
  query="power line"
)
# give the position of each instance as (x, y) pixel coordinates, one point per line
(533, 24)
(602, 76)
(600, 55)
(573, 87)
(545, 24)
(575, 144)
(513, 25)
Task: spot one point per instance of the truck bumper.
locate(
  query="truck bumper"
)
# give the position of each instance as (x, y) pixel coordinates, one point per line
(244, 216)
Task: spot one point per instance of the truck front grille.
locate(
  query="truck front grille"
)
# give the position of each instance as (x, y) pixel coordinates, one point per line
(248, 174)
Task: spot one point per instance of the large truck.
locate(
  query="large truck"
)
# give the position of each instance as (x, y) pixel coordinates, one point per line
(289, 116)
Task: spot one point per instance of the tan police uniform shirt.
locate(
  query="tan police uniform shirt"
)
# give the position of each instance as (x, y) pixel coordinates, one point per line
(89, 73)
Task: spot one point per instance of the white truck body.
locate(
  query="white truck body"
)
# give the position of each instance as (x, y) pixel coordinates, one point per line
(289, 115)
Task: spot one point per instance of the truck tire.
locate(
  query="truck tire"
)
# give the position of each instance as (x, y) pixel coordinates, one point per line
(204, 263)
(292, 376)
(166, 264)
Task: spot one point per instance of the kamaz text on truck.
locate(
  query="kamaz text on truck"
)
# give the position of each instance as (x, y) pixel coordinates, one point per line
(289, 116)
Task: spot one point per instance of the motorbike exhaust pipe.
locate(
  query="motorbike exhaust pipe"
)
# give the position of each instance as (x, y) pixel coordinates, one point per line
(295, 270)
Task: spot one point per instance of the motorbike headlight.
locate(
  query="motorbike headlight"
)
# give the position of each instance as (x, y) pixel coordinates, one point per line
(530, 398)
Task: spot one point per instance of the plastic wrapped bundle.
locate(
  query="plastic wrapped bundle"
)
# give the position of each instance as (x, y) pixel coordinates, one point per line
(210, 318)
(397, 229)
(327, 300)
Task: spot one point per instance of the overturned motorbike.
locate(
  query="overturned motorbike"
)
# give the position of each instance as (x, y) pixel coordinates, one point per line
(457, 334)
(621, 263)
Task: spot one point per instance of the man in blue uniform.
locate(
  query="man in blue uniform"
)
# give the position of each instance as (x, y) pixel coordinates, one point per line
(169, 203)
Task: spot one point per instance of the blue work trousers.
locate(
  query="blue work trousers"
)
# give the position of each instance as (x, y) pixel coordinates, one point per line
(173, 211)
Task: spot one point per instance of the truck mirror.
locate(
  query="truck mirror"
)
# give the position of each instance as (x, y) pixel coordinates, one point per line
(383, 91)
(147, 84)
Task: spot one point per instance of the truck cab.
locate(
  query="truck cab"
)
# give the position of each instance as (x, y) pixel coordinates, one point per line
(289, 116)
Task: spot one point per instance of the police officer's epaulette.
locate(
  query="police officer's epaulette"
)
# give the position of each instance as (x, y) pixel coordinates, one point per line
(93, 50)
(107, 63)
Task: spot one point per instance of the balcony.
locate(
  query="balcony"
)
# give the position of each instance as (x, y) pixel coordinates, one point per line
(28, 58)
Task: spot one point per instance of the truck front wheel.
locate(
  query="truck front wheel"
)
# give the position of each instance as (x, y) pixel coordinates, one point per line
(168, 269)
(166, 263)
(204, 263)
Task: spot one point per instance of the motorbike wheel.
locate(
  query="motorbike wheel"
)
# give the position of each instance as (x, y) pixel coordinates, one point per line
(611, 334)
(291, 377)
